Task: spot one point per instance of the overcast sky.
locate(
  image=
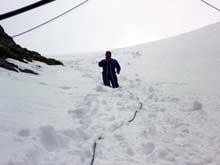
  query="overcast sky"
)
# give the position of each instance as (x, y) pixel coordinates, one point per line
(105, 24)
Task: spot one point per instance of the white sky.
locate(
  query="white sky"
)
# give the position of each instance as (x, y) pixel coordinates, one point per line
(105, 24)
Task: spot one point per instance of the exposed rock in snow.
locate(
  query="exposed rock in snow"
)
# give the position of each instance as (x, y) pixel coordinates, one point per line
(9, 49)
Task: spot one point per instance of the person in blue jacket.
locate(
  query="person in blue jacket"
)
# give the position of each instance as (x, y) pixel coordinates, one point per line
(110, 68)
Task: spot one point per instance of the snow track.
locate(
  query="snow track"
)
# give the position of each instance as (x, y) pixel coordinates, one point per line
(139, 122)
(165, 112)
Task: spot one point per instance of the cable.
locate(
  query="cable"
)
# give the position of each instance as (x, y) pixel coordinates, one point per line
(24, 9)
(44, 23)
(211, 5)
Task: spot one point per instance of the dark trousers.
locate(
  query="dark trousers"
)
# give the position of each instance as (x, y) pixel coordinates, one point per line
(110, 80)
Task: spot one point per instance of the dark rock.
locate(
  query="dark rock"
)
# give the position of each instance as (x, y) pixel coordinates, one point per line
(9, 49)
(1, 29)
(28, 71)
(38, 66)
(7, 65)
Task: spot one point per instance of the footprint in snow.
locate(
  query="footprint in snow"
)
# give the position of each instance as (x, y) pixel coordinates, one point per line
(100, 88)
(65, 87)
(42, 83)
(148, 148)
(24, 133)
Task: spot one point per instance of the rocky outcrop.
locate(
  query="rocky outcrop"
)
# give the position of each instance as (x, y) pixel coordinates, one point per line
(9, 49)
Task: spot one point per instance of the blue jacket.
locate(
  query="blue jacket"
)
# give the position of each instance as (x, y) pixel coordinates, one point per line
(110, 66)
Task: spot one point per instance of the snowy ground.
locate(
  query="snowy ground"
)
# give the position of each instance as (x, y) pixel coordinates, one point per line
(57, 117)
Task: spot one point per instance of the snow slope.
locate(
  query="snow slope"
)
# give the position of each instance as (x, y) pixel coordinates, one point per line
(170, 88)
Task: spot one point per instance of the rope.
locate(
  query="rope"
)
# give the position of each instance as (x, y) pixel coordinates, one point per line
(93, 155)
(24, 9)
(44, 23)
(211, 5)
(135, 114)
(137, 111)
(94, 151)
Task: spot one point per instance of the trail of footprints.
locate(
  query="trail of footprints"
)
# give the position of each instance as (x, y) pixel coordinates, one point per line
(154, 134)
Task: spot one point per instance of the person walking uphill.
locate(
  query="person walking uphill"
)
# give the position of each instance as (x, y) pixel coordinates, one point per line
(110, 67)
